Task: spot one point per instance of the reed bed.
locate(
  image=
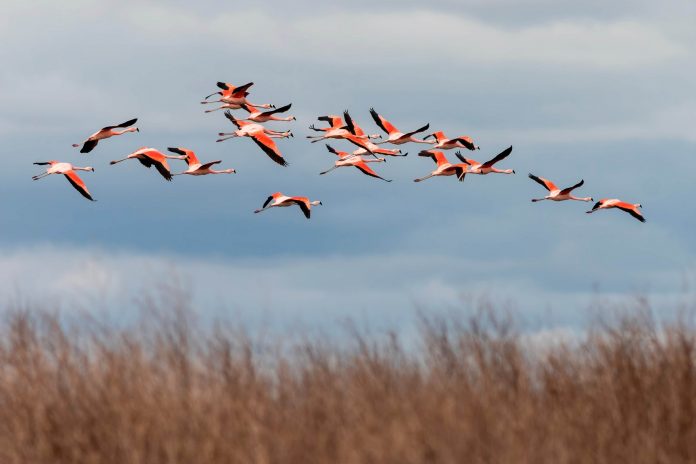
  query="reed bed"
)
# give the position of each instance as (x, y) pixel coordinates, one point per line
(169, 389)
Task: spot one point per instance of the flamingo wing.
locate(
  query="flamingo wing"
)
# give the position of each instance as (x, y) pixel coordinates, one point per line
(630, 209)
(208, 165)
(340, 154)
(436, 156)
(241, 91)
(547, 184)
(566, 191)
(269, 147)
(268, 200)
(468, 161)
(303, 203)
(147, 162)
(235, 121)
(191, 157)
(282, 109)
(500, 156)
(79, 185)
(349, 122)
(163, 169)
(385, 125)
(460, 171)
(89, 146)
(128, 123)
(422, 129)
(334, 121)
(368, 170)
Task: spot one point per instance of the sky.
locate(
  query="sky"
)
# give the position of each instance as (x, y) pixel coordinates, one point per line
(582, 90)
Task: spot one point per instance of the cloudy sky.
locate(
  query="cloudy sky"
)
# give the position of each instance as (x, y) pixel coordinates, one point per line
(593, 90)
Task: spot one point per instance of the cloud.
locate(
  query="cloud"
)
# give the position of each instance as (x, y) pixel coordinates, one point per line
(382, 289)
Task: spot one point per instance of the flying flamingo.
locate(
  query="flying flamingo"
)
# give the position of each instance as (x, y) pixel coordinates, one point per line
(556, 194)
(347, 159)
(68, 170)
(259, 134)
(396, 137)
(150, 157)
(486, 168)
(279, 200)
(443, 143)
(444, 167)
(195, 168)
(228, 90)
(233, 98)
(632, 209)
(264, 116)
(336, 130)
(104, 133)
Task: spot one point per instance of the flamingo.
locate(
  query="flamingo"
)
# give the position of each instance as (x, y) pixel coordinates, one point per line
(396, 137)
(264, 116)
(443, 143)
(632, 209)
(68, 170)
(229, 89)
(259, 134)
(279, 200)
(150, 157)
(336, 130)
(104, 133)
(556, 194)
(347, 159)
(444, 167)
(195, 168)
(233, 97)
(364, 143)
(486, 168)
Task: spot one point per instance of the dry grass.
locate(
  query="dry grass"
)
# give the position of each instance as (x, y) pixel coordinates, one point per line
(168, 392)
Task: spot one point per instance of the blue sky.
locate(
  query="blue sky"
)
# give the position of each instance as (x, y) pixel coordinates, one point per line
(594, 91)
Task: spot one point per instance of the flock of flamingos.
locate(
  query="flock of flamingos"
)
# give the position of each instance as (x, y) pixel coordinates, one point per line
(340, 128)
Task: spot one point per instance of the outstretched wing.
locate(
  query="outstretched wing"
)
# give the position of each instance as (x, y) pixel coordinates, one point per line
(268, 200)
(367, 170)
(468, 161)
(349, 122)
(422, 129)
(235, 121)
(269, 147)
(436, 156)
(385, 125)
(163, 169)
(303, 203)
(500, 156)
(282, 109)
(547, 184)
(566, 191)
(340, 154)
(630, 209)
(76, 182)
(208, 165)
(241, 91)
(89, 146)
(128, 123)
